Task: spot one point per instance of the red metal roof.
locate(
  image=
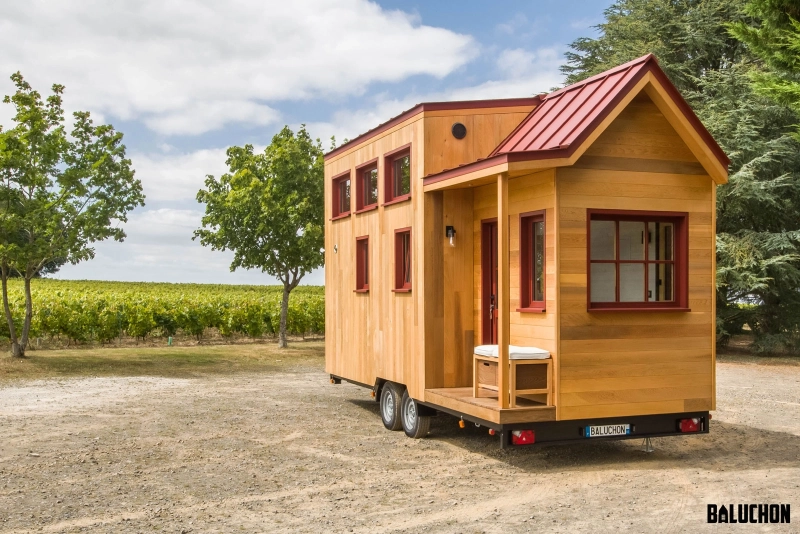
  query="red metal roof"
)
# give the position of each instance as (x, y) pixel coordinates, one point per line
(566, 117)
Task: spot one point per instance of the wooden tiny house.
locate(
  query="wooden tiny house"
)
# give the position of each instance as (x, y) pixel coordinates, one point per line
(570, 233)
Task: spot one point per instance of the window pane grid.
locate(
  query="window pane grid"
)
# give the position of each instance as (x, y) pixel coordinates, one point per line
(625, 279)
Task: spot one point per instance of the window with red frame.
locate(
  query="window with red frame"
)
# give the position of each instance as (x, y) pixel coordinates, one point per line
(532, 261)
(367, 188)
(397, 168)
(341, 196)
(402, 260)
(362, 264)
(637, 259)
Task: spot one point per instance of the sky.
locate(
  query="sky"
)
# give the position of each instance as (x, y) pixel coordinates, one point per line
(185, 80)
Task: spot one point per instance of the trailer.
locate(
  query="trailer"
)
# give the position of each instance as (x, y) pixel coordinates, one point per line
(543, 267)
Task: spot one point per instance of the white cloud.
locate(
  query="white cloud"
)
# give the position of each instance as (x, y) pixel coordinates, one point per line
(159, 248)
(174, 177)
(188, 67)
(520, 73)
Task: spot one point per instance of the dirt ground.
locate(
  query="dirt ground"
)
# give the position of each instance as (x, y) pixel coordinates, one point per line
(285, 451)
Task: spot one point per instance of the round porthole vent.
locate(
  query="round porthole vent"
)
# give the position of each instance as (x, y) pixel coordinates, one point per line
(459, 130)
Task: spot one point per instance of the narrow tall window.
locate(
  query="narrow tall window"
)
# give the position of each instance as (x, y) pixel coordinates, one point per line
(402, 259)
(637, 260)
(362, 264)
(367, 187)
(341, 196)
(397, 168)
(532, 261)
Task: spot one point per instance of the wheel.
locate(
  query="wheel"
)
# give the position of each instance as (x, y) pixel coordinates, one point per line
(390, 406)
(415, 424)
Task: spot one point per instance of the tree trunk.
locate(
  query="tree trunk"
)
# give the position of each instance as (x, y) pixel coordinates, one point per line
(16, 350)
(284, 314)
(26, 326)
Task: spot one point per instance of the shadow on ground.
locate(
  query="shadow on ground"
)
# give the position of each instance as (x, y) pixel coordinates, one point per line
(727, 447)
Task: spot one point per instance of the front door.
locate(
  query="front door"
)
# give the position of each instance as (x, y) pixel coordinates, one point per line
(489, 281)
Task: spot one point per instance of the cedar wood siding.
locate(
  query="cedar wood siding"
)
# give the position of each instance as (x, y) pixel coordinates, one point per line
(383, 334)
(631, 363)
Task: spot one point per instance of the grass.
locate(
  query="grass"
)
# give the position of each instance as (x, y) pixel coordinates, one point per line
(177, 362)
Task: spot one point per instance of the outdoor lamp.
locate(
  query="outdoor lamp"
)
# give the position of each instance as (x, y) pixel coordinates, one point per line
(450, 232)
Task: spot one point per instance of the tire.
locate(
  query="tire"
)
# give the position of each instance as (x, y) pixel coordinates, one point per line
(390, 406)
(415, 425)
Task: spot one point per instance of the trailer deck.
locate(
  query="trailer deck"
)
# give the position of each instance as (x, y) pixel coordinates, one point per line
(486, 408)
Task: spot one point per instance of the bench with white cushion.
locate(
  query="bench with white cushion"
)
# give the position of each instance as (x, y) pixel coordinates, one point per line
(530, 371)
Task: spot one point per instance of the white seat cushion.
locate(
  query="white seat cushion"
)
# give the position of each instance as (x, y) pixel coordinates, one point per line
(514, 352)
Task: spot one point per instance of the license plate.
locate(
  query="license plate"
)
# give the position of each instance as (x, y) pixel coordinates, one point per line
(602, 431)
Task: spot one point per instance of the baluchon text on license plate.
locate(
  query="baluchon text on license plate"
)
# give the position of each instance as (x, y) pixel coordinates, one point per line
(601, 431)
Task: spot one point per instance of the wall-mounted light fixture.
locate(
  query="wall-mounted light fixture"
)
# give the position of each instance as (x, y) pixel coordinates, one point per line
(450, 232)
(335, 249)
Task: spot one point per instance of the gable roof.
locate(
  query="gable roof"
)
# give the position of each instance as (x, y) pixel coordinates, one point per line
(558, 126)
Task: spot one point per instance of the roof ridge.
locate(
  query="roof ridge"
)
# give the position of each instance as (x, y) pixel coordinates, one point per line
(604, 74)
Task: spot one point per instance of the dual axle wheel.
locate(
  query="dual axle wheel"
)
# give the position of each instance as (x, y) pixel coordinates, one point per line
(398, 410)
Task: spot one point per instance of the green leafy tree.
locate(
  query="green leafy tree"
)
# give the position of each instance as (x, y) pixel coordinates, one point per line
(59, 193)
(758, 211)
(773, 35)
(269, 210)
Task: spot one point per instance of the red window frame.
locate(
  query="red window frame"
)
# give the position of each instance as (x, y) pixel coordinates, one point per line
(336, 199)
(389, 177)
(362, 264)
(527, 301)
(403, 266)
(680, 259)
(362, 172)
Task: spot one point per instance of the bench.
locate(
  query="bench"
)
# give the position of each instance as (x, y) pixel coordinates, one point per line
(530, 372)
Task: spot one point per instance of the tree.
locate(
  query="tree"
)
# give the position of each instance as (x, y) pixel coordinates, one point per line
(269, 210)
(59, 193)
(773, 35)
(758, 211)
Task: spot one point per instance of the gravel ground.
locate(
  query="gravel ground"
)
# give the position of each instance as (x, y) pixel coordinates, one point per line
(289, 452)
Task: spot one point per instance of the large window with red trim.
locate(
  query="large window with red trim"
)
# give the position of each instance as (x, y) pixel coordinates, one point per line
(397, 171)
(402, 260)
(367, 186)
(532, 261)
(341, 196)
(637, 260)
(362, 264)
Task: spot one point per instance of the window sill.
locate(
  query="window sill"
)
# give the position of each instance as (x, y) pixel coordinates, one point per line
(531, 310)
(341, 216)
(406, 290)
(397, 200)
(636, 309)
(361, 291)
(368, 208)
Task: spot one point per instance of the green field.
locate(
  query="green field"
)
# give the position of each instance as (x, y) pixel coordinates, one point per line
(91, 311)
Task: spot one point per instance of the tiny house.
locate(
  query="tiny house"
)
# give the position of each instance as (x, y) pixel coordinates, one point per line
(543, 266)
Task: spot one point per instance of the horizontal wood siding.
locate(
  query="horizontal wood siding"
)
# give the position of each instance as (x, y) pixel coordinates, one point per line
(627, 363)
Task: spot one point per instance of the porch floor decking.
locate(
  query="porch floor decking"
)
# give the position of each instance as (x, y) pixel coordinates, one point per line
(485, 407)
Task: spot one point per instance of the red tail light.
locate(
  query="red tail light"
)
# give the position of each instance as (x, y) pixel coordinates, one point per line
(690, 425)
(523, 437)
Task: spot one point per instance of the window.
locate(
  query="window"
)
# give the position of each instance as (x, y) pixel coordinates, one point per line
(362, 264)
(637, 260)
(397, 168)
(367, 186)
(532, 261)
(402, 260)
(341, 196)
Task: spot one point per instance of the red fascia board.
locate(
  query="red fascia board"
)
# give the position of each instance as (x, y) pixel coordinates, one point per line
(435, 106)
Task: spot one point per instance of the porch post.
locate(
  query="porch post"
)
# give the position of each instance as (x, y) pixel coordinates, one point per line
(503, 290)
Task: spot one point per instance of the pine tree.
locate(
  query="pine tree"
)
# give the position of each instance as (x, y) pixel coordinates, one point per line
(758, 211)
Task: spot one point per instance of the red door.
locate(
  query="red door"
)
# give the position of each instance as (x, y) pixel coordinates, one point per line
(489, 281)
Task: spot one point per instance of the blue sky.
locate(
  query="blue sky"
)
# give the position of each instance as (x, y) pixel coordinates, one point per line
(184, 80)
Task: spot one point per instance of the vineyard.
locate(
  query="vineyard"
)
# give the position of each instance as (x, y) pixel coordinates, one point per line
(88, 311)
